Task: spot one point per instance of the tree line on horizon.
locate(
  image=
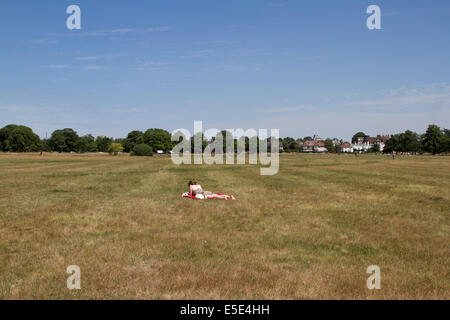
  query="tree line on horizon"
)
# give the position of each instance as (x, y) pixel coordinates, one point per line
(435, 140)
(19, 138)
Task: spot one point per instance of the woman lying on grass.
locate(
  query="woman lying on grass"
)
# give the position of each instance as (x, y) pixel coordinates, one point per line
(196, 190)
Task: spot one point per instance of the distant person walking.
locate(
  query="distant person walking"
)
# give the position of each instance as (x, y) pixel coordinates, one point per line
(393, 155)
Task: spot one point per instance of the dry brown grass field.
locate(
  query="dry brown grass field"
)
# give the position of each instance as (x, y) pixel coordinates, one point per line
(309, 232)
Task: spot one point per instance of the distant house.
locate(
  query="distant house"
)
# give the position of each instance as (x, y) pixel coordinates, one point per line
(308, 146)
(314, 146)
(361, 147)
(366, 143)
(372, 140)
(383, 138)
(336, 142)
(320, 149)
(362, 144)
(346, 148)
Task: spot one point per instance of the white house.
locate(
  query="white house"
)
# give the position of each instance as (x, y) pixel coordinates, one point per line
(361, 147)
(347, 148)
(320, 149)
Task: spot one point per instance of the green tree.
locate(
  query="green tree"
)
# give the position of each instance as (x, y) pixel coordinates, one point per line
(133, 138)
(375, 148)
(5, 132)
(358, 135)
(158, 139)
(119, 140)
(227, 135)
(446, 140)
(393, 144)
(268, 143)
(64, 140)
(329, 145)
(22, 139)
(224, 135)
(103, 143)
(87, 144)
(290, 145)
(57, 142)
(44, 145)
(202, 138)
(142, 150)
(408, 142)
(114, 148)
(240, 144)
(433, 139)
(247, 143)
(254, 141)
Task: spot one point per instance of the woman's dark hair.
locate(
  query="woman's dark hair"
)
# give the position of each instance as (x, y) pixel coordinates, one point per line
(192, 183)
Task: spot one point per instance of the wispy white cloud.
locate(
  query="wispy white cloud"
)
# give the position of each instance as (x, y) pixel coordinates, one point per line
(236, 52)
(344, 125)
(278, 4)
(56, 66)
(100, 57)
(156, 29)
(43, 41)
(279, 109)
(431, 95)
(23, 108)
(147, 68)
(233, 67)
(211, 42)
(155, 63)
(112, 32)
(392, 111)
(95, 67)
(199, 53)
(151, 66)
(123, 30)
(129, 110)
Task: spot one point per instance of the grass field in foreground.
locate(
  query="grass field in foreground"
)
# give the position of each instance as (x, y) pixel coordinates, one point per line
(309, 232)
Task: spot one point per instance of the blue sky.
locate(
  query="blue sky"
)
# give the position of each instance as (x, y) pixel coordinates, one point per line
(305, 67)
